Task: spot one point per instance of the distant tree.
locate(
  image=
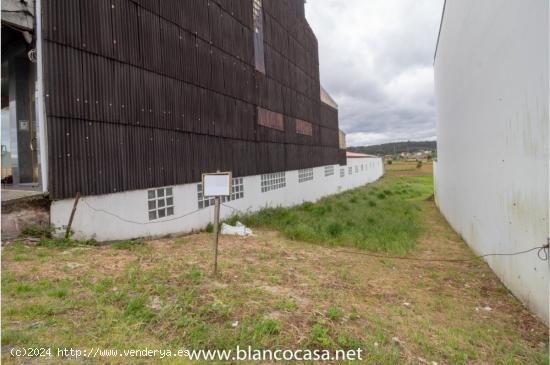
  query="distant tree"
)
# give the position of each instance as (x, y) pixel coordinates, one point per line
(419, 164)
(396, 148)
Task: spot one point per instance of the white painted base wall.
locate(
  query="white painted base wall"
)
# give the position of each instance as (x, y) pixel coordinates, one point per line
(492, 173)
(132, 205)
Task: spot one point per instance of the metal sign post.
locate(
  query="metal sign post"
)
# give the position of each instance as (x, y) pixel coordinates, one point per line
(217, 185)
(216, 233)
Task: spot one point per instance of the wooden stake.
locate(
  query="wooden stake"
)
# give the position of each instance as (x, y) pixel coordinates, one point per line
(216, 233)
(68, 231)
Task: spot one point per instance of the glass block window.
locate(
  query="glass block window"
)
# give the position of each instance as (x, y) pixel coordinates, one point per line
(356, 169)
(160, 203)
(350, 170)
(305, 175)
(342, 172)
(274, 181)
(362, 167)
(237, 192)
(329, 170)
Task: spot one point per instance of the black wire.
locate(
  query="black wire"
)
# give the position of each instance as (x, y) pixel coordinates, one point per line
(542, 250)
(134, 222)
(234, 209)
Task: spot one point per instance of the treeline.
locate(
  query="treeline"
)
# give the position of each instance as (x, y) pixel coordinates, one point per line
(396, 148)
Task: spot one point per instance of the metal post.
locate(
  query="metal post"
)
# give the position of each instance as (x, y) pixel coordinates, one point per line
(216, 233)
(68, 231)
(40, 109)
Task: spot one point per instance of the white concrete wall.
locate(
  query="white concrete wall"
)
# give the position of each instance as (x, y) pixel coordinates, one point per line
(491, 84)
(132, 205)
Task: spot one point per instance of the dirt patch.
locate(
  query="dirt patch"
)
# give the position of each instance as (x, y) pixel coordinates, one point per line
(14, 221)
(409, 169)
(101, 261)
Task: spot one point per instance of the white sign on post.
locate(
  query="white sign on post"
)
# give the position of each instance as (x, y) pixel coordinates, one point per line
(217, 184)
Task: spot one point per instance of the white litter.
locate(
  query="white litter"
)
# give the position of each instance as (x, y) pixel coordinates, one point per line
(238, 229)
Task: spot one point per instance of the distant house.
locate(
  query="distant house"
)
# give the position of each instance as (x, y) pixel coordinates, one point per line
(128, 102)
(492, 173)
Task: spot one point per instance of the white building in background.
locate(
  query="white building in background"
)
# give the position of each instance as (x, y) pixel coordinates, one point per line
(492, 174)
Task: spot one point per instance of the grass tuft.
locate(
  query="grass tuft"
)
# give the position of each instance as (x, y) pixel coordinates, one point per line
(128, 244)
(334, 313)
(319, 337)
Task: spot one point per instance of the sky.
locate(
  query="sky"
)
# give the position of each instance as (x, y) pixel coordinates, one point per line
(376, 61)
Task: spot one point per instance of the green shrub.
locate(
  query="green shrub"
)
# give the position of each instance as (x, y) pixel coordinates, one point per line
(210, 227)
(38, 232)
(335, 229)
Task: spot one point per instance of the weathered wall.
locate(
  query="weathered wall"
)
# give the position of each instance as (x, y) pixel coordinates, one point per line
(19, 13)
(492, 174)
(132, 205)
(144, 93)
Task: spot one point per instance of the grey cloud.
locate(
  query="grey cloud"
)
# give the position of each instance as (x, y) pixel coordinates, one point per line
(376, 61)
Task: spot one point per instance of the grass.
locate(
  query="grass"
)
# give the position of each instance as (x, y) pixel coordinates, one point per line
(276, 291)
(128, 244)
(44, 236)
(385, 216)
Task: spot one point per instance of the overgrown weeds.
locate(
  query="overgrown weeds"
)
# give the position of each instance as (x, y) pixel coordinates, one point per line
(383, 216)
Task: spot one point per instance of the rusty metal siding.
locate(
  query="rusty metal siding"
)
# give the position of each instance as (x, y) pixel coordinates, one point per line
(145, 93)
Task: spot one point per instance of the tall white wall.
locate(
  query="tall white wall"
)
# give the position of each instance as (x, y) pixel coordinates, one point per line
(492, 174)
(132, 205)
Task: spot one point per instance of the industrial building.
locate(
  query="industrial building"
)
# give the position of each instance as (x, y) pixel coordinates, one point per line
(132, 100)
(492, 171)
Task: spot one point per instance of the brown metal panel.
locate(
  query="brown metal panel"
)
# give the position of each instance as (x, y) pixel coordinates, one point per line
(61, 21)
(148, 93)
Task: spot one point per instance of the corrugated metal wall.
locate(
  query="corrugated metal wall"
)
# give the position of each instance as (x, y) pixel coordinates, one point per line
(145, 93)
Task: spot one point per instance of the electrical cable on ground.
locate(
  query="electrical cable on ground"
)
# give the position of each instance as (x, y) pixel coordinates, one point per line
(542, 251)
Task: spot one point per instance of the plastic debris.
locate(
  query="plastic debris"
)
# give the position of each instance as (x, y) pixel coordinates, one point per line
(238, 229)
